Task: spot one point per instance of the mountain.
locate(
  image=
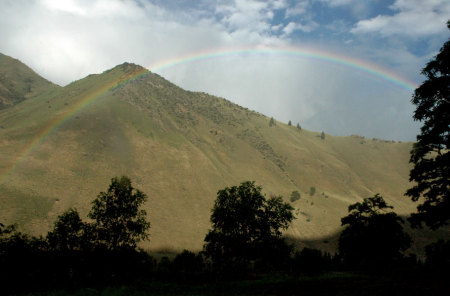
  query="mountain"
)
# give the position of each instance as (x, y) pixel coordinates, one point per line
(60, 149)
(18, 82)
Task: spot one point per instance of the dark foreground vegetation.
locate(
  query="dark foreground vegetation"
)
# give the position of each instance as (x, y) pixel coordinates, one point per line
(244, 253)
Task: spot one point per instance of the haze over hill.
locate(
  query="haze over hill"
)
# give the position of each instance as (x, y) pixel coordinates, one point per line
(61, 148)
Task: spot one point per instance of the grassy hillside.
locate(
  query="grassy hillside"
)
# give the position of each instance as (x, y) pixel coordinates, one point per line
(180, 148)
(18, 82)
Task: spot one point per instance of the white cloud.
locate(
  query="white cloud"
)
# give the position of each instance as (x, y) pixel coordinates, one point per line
(337, 3)
(246, 15)
(291, 27)
(300, 8)
(93, 9)
(279, 4)
(413, 18)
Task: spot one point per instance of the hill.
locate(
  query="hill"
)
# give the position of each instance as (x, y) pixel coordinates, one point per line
(18, 82)
(60, 149)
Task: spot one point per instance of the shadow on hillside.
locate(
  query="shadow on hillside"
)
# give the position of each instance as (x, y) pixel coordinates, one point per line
(330, 243)
(421, 238)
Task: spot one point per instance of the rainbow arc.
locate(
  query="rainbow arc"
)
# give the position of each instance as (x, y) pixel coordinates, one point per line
(351, 63)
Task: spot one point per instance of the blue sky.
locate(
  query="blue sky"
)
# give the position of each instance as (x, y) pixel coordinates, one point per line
(65, 40)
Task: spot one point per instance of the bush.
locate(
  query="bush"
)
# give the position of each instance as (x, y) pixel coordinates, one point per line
(438, 255)
(295, 195)
(188, 262)
(311, 261)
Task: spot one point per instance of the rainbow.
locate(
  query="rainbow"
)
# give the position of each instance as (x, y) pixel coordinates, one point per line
(292, 52)
(359, 65)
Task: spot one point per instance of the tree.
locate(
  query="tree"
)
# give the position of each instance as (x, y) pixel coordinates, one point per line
(438, 256)
(430, 155)
(289, 123)
(69, 233)
(188, 262)
(271, 122)
(374, 237)
(7, 230)
(322, 136)
(311, 261)
(299, 127)
(246, 225)
(120, 223)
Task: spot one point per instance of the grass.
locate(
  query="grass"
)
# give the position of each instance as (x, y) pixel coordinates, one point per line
(326, 284)
(160, 136)
(19, 82)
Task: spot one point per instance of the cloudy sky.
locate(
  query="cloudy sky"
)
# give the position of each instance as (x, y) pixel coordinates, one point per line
(339, 66)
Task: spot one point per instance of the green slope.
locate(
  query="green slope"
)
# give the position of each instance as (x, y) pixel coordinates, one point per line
(18, 82)
(179, 147)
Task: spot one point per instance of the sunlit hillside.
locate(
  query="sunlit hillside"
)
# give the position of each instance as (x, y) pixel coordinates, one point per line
(60, 149)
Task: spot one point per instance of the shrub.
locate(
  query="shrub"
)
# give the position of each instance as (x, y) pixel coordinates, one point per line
(295, 195)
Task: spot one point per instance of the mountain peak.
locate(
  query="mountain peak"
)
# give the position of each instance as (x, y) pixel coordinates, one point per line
(130, 67)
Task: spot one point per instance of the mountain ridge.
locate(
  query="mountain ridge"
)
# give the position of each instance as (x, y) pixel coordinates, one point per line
(18, 82)
(180, 148)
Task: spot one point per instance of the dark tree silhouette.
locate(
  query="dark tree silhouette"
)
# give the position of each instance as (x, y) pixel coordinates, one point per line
(430, 155)
(299, 127)
(311, 261)
(438, 256)
(6, 230)
(289, 123)
(70, 233)
(322, 136)
(246, 226)
(120, 223)
(188, 262)
(374, 237)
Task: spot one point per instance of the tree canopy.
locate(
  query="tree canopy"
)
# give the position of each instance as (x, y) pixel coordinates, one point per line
(69, 233)
(245, 224)
(374, 236)
(120, 223)
(430, 155)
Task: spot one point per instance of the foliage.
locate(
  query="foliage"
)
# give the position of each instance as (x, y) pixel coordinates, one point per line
(188, 262)
(438, 255)
(311, 261)
(289, 123)
(22, 259)
(430, 155)
(299, 127)
(6, 230)
(322, 136)
(271, 122)
(78, 252)
(246, 226)
(295, 195)
(70, 233)
(373, 238)
(312, 190)
(120, 223)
